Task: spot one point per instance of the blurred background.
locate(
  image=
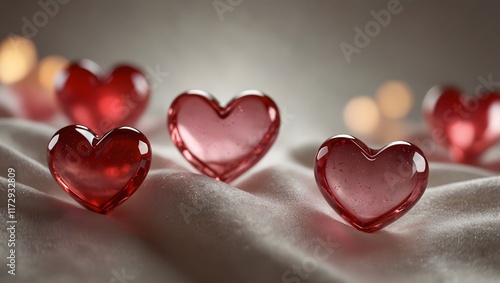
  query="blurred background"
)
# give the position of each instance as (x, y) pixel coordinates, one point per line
(361, 67)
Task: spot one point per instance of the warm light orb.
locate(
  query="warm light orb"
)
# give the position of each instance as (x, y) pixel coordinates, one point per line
(395, 99)
(17, 58)
(361, 115)
(48, 69)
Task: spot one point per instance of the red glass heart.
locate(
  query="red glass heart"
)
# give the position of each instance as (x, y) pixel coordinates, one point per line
(370, 188)
(223, 142)
(102, 103)
(467, 126)
(99, 173)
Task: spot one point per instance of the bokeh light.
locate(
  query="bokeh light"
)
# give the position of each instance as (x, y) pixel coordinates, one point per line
(395, 99)
(17, 58)
(361, 115)
(48, 69)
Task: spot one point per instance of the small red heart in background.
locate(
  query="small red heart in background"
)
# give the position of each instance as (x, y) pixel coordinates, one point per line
(223, 142)
(370, 188)
(102, 103)
(99, 173)
(466, 125)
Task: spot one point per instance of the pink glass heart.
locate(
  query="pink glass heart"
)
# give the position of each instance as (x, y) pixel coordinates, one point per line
(370, 188)
(466, 125)
(99, 173)
(223, 142)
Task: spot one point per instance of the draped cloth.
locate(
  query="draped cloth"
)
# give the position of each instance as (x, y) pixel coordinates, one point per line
(270, 225)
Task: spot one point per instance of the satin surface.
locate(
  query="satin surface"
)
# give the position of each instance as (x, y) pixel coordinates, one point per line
(271, 225)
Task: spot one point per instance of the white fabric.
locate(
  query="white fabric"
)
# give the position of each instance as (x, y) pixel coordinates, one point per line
(184, 227)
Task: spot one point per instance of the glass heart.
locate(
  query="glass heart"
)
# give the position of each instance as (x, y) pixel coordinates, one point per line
(223, 142)
(466, 126)
(370, 188)
(99, 102)
(99, 173)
